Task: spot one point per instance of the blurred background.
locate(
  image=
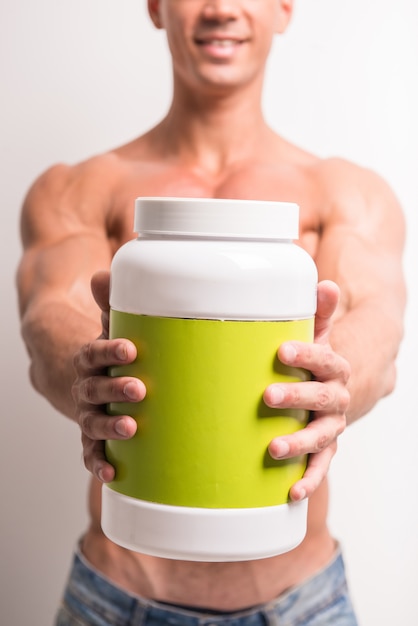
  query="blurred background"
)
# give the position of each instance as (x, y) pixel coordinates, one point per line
(81, 77)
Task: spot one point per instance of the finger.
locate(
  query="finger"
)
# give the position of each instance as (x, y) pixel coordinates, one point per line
(102, 353)
(99, 390)
(328, 296)
(100, 287)
(319, 359)
(317, 469)
(95, 460)
(311, 395)
(105, 319)
(315, 437)
(98, 426)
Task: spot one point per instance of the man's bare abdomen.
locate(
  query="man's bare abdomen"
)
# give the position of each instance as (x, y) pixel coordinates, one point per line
(223, 586)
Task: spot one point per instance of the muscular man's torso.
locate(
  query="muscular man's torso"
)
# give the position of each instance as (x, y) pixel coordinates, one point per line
(277, 172)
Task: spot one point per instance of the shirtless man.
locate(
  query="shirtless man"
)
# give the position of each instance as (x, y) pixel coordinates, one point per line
(214, 142)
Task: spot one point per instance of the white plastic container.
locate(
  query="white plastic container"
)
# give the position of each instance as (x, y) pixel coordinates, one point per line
(207, 292)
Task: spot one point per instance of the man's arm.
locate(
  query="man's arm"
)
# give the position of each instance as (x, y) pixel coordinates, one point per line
(354, 352)
(361, 250)
(64, 244)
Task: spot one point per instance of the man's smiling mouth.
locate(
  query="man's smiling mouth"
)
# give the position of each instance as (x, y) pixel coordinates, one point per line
(222, 43)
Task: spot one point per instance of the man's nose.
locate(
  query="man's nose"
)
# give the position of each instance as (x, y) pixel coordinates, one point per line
(221, 9)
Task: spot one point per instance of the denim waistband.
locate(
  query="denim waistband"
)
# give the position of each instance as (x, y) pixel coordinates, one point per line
(96, 600)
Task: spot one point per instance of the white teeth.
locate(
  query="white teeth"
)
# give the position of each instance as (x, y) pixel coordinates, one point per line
(223, 43)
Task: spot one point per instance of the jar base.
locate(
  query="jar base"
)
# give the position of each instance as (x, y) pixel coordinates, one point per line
(200, 534)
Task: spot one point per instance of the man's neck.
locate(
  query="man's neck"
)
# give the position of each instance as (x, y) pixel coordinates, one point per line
(214, 132)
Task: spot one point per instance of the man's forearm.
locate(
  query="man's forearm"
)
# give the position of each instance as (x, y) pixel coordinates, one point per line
(53, 332)
(368, 336)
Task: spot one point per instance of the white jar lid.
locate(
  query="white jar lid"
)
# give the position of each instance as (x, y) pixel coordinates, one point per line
(208, 217)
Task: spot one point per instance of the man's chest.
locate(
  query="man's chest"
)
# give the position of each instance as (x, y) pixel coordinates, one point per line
(248, 182)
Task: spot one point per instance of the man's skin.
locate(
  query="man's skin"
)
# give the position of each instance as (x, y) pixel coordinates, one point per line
(214, 142)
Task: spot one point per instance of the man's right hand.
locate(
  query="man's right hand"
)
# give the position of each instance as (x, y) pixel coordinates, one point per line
(93, 388)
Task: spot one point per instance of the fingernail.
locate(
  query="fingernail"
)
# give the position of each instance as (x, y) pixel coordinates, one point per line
(131, 391)
(301, 494)
(281, 448)
(120, 428)
(289, 353)
(276, 395)
(121, 352)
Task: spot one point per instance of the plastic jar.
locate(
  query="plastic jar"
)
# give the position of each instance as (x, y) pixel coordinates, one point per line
(208, 292)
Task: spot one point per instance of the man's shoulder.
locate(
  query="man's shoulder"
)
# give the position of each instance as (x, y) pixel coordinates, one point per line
(352, 192)
(339, 167)
(333, 172)
(341, 175)
(69, 195)
(63, 180)
(340, 189)
(342, 179)
(334, 175)
(63, 174)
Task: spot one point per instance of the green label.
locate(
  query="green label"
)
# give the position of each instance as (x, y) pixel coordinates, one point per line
(203, 428)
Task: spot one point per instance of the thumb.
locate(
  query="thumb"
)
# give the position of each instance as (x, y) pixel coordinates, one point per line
(100, 283)
(327, 301)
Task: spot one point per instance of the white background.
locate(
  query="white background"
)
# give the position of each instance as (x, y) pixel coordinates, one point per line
(83, 76)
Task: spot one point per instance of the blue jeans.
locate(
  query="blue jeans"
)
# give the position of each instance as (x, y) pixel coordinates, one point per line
(92, 600)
